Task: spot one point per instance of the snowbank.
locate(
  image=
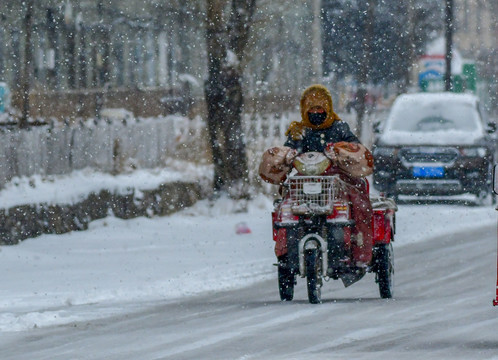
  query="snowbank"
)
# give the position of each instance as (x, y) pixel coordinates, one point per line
(39, 205)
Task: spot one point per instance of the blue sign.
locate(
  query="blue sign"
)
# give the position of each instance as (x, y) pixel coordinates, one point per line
(429, 75)
(4, 93)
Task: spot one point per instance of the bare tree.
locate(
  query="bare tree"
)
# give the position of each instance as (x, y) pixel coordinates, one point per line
(227, 33)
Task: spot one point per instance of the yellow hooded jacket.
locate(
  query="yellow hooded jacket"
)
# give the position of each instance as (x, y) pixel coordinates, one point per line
(315, 95)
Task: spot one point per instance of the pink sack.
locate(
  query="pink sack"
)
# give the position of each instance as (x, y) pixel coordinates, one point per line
(276, 163)
(355, 159)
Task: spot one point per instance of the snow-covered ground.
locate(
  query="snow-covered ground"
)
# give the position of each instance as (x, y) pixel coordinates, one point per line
(117, 265)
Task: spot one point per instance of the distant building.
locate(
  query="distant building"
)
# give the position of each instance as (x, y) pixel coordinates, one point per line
(476, 26)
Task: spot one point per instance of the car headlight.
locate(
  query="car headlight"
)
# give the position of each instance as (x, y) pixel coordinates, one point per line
(384, 151)
(474, 152)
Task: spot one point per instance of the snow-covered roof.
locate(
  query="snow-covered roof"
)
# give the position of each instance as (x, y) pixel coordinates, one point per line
(438, 96)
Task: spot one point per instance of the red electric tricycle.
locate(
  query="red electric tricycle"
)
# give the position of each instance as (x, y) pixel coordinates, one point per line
(318, 236)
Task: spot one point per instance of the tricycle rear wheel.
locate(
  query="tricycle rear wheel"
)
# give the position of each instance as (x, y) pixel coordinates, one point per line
(286, 280)
(385, 270)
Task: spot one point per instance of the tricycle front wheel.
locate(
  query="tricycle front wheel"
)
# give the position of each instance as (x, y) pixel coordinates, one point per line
(313, 276)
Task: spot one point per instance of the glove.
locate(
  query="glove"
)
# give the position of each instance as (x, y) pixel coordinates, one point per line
(291, 155)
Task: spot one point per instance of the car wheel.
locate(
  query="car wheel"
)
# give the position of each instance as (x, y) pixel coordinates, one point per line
(485, 198)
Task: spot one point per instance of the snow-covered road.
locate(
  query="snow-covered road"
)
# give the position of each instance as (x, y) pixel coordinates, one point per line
(187, 287)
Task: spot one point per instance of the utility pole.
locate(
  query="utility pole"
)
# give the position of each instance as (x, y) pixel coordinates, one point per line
(316, 42)
(449, 43)
(28, 60)
(364, 73)
(410, 29)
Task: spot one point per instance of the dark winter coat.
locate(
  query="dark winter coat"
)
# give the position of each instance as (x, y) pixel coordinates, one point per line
(317, 140)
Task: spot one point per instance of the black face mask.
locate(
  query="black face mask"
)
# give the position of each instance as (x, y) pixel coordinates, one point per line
(317, 118)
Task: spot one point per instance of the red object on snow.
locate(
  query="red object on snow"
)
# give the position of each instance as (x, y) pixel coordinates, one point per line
(242, 228)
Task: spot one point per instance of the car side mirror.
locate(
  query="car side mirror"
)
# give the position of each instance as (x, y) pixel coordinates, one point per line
(495, 179)
(376, 127)
(491, 127)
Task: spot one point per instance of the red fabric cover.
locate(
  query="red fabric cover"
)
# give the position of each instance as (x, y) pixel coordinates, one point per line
(362, 215)
(281, 242)
(362, 233)
(279, 236)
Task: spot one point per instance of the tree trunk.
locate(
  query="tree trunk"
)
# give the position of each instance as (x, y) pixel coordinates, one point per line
(71, 55)
(82, 59)
(224, 95)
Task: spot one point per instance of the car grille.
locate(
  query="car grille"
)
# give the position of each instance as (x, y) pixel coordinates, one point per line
(429, 155)
(426, 187)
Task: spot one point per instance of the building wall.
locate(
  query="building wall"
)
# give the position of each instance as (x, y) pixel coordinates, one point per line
(476, 26)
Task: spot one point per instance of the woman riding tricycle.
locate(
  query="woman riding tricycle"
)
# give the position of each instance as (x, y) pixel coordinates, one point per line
(325, 224)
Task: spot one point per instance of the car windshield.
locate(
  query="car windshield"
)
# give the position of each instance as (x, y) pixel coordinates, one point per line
(427, 116)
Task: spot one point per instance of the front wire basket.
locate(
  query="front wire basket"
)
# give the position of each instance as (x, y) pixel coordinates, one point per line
(313, 194)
